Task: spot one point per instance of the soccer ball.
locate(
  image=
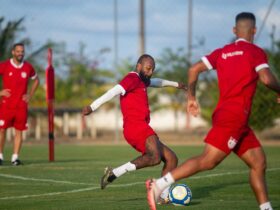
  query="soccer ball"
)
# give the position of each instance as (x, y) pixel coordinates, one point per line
(180, 195)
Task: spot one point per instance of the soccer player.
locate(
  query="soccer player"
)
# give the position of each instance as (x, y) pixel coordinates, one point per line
(132, 90)
(14, 98)
(239, 66)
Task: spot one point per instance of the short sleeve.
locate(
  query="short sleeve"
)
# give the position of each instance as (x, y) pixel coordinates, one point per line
(211, 60)
(130, 82)
(260, 60)
(32, 74)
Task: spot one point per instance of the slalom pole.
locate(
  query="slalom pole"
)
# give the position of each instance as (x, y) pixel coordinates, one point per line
(50, 96)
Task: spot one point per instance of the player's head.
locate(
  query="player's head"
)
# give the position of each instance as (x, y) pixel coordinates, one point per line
(245, 26)
(145, 67)
(18, 52)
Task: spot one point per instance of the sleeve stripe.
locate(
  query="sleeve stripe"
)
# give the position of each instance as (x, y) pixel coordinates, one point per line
(122, 89)
(34, 77)
(261, 66)
(207, 63)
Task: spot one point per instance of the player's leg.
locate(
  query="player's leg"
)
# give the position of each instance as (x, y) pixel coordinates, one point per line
(20, 124)
(5, 119)
(170, 161)
(251, 152)
(151, 157)
(17, 146)
(209, 159)
(256, 160)
(2, 144)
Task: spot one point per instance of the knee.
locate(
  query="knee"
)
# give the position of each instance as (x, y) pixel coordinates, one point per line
(155, 159)
(172, 159)
(260, 164)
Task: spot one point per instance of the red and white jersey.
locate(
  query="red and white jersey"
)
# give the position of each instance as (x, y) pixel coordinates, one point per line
(134, 99)
(237, 65)
(16, 79)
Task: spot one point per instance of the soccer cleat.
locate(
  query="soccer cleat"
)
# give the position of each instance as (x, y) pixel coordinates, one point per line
(17, 162)
(153, 193)
(107, 178)
(1, 162)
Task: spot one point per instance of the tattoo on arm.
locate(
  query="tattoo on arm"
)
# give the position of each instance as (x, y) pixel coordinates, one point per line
(192, 87)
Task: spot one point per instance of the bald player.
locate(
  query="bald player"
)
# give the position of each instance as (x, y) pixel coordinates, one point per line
(239, 66)
(134, 103)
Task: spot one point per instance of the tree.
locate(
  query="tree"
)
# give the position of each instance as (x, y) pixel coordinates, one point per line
(173, 65)
(83, 81)
(8, 36)
(265, 110)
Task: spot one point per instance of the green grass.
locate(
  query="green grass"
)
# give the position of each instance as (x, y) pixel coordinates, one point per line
(72, 181)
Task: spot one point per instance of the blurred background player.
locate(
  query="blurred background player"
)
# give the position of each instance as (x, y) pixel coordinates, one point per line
(239, 66)
(14, 98)
(136, 118)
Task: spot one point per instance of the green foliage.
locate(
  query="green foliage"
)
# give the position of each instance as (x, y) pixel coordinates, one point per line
(8, 36)
(173, 65)
(265, 109)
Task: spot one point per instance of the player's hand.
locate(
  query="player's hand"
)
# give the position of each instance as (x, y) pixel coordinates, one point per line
(278, 99)
(26, 98)
(193, 107)
(86, 110)
(5, 92)
(182, 86)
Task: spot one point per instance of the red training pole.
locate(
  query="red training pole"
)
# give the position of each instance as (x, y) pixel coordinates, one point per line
(50, 101)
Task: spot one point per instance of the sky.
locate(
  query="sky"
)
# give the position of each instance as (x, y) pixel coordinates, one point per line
(91, 22)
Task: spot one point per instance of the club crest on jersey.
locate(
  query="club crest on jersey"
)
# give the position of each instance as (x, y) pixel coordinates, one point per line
(2, 122)
(232, 142)
(11, 74)
(23, 74)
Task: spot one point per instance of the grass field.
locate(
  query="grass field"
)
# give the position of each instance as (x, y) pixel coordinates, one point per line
(72, 181)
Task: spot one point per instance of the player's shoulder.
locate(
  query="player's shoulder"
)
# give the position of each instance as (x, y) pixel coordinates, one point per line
(28, 64)
(252, 46)
(5, 62)
(132, 75)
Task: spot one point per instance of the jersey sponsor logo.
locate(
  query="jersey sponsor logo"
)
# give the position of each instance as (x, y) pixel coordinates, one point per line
(231, 54)
(232, 142)
(23, 74)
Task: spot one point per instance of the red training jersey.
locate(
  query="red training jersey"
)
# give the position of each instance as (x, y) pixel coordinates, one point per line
(237, 65)
(134, 100)
(16, 79)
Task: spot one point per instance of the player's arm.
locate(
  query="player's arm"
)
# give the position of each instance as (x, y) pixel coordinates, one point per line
(115, 91)
(5, 92)
(158, 83)
(270, 81)
(193, 74)
(33, 88)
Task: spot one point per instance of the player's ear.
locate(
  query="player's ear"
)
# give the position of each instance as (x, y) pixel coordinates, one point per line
(234, 30)
(255, 30)
(138, 66)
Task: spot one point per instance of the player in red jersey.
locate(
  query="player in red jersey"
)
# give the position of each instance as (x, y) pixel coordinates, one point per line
(239, 66)
(136, 117)
(14, 98)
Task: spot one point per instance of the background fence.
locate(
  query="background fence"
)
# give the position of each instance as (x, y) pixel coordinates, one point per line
(96, 42)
